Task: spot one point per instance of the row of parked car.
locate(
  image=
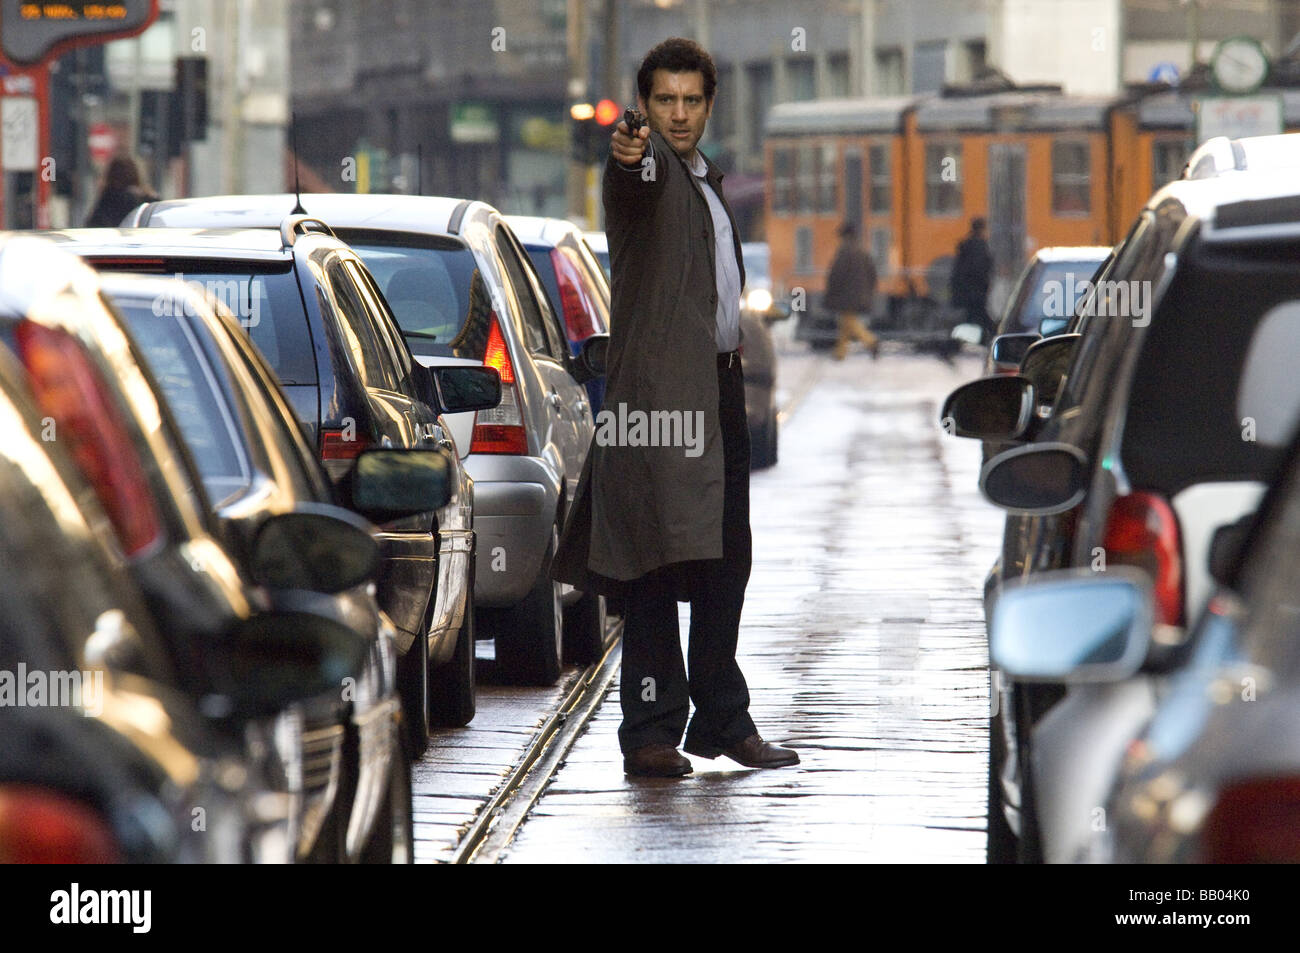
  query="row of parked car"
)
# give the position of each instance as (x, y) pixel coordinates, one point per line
(1143, 624)
(270, 475)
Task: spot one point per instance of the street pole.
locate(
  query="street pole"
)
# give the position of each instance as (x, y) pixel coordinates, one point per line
(576, 44)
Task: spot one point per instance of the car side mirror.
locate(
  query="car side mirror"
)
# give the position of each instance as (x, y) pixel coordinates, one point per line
(1046, 363)
(590, 361)
(1008, 350)
(391, 484)
(277, 658)
(317, 547)
(1072, 626)
(465, 389)
(991, 408)
(1039, 479)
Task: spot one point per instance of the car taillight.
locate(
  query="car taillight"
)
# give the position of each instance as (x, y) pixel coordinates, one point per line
(578, 319)
(339, 447)
(1142, 531)
(500, 429)
(1254, 821)
(38, 826)
(69, 390)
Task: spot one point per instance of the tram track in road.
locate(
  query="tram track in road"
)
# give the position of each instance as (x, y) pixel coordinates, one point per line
(494, 827)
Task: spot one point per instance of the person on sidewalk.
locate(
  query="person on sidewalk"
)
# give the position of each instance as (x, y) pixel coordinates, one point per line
(657, 524)
(968, 285)
(122, 192)
(851, 292)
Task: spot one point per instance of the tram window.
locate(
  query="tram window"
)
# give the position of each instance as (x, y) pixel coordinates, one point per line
(1167, 160)
(853, 185)
(943, 179)
(1071, 183)
(805, 179)
(782, 180)
(827, 198)
(803, 249)
(881, 190)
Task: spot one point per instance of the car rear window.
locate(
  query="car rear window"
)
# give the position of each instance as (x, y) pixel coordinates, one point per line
(192, 394)
(265, 300)
(433, 287)
(1053, 291)
(1200, 367)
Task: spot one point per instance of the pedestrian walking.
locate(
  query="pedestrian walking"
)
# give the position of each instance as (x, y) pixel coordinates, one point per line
(654, 523)
(851, 292)
(968, 284)
(123, 190)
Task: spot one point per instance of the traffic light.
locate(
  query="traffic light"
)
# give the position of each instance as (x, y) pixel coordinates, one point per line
(191, 100)
(592, 127)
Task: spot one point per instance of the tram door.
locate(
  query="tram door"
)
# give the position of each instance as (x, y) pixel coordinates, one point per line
(1006, 219)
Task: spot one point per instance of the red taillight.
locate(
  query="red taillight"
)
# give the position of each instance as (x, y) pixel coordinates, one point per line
(497, 354)
(579, 319)
(42, 827)
(1254, 821)
(1142, 531)
(500, 430)
(342, 444)
(69, 389)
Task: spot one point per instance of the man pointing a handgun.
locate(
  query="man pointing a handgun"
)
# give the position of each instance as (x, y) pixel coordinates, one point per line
(655, 522)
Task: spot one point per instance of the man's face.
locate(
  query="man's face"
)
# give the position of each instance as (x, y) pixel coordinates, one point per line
(677, 109)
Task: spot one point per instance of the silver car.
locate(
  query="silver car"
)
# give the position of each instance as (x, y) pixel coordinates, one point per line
(464, 292)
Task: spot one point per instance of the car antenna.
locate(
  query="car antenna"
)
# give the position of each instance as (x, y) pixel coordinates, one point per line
(419, 168)
(297, 191)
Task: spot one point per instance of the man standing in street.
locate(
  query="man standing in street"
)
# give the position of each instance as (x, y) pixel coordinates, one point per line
(655, 523)
(851, 292)
(969, 283)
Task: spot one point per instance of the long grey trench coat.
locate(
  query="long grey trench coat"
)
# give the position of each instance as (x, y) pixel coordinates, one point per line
(641, 506)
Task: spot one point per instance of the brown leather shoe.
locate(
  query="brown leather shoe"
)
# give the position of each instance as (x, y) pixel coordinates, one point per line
(656, 761)
(753, 752)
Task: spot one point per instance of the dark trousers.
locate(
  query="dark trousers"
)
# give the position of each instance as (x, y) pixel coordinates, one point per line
(655, 688)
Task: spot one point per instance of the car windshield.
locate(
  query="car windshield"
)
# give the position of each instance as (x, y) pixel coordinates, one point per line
(437, 295)
(192, 394)
(1053, 291)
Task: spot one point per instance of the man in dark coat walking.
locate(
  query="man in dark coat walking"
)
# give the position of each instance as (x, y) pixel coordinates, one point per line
(657, 518)
(851, 292)
(968, 284)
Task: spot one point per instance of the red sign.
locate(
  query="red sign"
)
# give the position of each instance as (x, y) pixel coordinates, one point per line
(102, 141)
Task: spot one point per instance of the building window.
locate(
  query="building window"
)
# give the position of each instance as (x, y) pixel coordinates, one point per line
(800, 82)
(837, 75)
(1168, 156)
(759, 77)
(881, 187)
(976, 56)
(929, 66)
(723, 123)
(889, 72)
(803, 249)
(827, 193)
(943, 179)
(805, 180)
(782, 181)
(1071, 183)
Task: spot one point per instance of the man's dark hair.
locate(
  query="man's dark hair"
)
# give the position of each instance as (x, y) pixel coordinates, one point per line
(677, 55)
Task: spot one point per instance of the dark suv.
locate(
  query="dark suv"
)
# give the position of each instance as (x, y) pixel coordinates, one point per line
(314, 311)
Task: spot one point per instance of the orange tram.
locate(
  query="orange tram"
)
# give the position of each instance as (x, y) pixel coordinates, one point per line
(1043, 168)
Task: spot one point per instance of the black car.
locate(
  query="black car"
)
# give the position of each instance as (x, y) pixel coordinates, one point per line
(255, 463)
(207, 681)
(313, 310)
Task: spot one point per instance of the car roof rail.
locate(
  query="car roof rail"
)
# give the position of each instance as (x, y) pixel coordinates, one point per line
(296, 225)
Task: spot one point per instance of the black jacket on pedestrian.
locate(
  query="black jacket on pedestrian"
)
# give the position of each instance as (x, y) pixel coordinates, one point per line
(851, 282)
(968, 286)
(115, 204)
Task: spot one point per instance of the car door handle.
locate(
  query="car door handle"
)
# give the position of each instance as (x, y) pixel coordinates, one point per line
(447, 445)
(554, 400)
(581, 407)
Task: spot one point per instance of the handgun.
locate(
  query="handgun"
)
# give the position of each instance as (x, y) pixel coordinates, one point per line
(634, 118)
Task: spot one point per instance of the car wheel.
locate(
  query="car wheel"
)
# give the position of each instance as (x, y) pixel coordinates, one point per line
(413, 686)
(1002, 839)
(529, 635)
(393, 839)
(584, 629)
(452, 687)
